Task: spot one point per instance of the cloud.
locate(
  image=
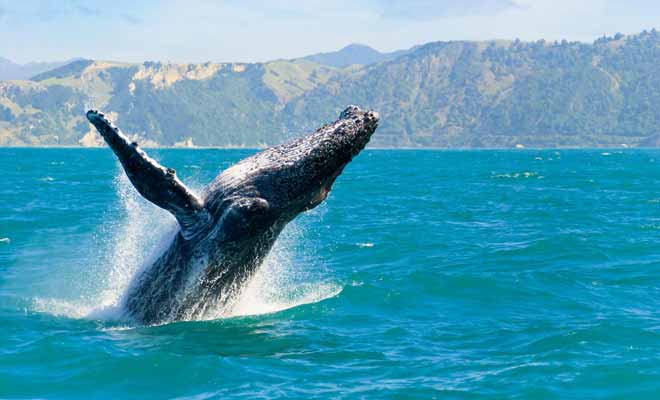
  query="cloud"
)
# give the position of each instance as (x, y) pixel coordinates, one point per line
(52, 10)
(87, 10)
(46, 11)
(430, 9)
(131, 19)
(260, 30)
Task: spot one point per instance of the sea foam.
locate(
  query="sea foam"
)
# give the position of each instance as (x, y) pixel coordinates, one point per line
(137, 232)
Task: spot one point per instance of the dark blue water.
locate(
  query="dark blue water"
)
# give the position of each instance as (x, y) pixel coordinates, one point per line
(427, 274)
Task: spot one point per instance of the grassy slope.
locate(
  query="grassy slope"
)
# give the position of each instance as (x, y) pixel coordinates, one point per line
(446, 94)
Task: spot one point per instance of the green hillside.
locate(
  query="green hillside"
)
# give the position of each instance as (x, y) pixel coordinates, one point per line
(445, 94)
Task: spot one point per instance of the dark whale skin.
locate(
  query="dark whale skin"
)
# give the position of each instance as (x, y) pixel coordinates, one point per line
(227, 231)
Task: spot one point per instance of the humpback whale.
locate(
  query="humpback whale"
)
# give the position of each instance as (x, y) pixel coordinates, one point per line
(226, 231)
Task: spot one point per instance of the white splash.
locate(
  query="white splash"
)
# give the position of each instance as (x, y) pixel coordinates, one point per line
(5, 240)
(131, 243)
(62, 308)
(132, 235)
(283, 281)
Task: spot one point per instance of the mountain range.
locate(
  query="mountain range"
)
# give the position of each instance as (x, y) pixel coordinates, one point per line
(442, 94)
(10, 70)
(354, 54)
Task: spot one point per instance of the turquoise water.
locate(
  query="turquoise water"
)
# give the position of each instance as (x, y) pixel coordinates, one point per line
(426, 274)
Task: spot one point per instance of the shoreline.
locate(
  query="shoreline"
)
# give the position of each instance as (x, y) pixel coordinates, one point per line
(368, 148)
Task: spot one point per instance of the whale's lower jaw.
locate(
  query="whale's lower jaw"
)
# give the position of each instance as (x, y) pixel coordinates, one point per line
(225, 234)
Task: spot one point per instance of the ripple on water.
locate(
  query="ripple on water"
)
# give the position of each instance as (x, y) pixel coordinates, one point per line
(128, 246)
(476, 286)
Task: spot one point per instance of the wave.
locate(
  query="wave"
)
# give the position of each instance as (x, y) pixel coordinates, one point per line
(517, 175)
(131, 243)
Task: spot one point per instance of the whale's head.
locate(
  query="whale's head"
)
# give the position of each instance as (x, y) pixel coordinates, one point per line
(305, 169)
(286, 180)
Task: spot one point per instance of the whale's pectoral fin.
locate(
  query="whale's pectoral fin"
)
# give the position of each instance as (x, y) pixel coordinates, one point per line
(156, 183)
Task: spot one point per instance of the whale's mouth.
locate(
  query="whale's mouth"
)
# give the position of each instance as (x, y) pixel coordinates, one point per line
(324, 189)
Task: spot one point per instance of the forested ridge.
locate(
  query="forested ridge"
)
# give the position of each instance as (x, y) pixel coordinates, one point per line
(442, 94)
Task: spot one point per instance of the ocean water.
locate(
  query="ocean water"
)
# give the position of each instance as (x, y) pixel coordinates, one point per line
(426, 274)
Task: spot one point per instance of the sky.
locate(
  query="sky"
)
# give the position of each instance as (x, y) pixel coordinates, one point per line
(254, 31)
